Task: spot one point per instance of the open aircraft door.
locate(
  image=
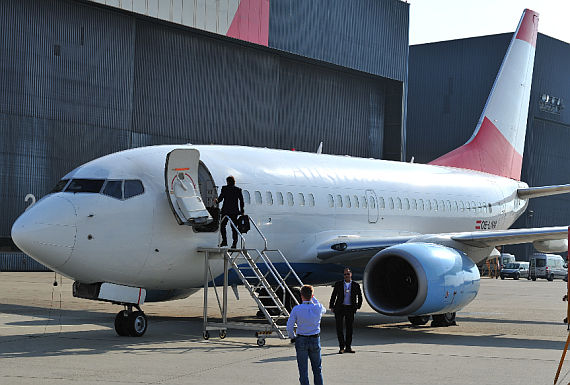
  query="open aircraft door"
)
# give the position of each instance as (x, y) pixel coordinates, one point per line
(182, 189)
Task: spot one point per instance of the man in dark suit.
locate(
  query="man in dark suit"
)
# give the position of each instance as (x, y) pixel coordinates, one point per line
(231, 196)
(346, 298)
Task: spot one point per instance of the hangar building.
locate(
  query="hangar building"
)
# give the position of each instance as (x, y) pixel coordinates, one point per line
(448, 86)
(81, 79)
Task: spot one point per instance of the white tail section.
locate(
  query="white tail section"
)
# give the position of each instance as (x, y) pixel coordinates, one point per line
(497, 144)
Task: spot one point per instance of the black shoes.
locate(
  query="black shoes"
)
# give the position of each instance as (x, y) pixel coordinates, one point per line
(341, 351)
(349, 350)
(234, 245)
(224, 243)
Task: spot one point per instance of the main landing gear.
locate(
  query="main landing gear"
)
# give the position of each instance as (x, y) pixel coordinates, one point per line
(131, 323)
(439, 320)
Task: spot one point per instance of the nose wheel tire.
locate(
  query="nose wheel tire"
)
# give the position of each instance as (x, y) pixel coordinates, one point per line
(260, 341)
(137, 324)
(121, 323)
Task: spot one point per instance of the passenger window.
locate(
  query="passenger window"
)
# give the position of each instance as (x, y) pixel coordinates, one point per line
(428, 205)
(331, 200)
(372, 203)
(473, 206)
(434, 204)
(338, 201)
(280, 200)
(246, 197)
(406, 204)
(269, 198)
(133, 188)
(467, 206)
(114, 188)
(490, 208)
(455, 206)
(258, 199)
(356, 203)
(290, 201)
(347, 200)
(421, 204)
(398, 203)
(381, 203)
(414, 204)
(364, 202)
(461, 206)
(391, 203)
(448, 205)
(440, 205)
(85, 185)
(301, 199)
(311, 200)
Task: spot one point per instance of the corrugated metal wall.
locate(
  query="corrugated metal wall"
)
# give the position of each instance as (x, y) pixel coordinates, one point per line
(366, 35)
(448, 85)
(80, 81)
(19, 262)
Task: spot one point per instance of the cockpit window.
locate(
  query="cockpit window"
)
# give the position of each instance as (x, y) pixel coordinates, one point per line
(85, 185)
(114, 188)
(59, 186)
(133, 188)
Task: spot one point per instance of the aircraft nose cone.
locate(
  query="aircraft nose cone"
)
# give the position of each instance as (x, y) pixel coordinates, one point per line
(47, 231)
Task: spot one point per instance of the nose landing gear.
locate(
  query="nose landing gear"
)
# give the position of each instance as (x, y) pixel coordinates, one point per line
(131, 323)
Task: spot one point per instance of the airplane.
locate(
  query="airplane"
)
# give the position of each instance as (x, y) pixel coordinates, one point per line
(127, 227)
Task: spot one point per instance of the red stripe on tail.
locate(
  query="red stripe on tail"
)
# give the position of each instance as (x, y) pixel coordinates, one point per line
(488, 152)
(528, 27)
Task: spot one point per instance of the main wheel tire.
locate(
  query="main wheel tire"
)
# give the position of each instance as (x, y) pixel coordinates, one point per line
(419, 320)
(502, 276)
(516, 276)
(260, 341)
(533, 278)
(121, 320)
(446, 319)
(550, 277)
(137, 324)
(206, 335)
(223, 334)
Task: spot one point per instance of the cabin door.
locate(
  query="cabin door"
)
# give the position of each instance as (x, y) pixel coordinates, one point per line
(372, 206)
(182, 188)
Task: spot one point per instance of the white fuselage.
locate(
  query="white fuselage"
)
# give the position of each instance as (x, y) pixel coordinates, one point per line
(138, 242)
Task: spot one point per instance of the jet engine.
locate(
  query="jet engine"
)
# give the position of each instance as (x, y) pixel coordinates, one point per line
(420, 279)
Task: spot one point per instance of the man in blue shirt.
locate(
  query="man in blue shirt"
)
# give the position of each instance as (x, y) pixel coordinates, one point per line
(307, 316)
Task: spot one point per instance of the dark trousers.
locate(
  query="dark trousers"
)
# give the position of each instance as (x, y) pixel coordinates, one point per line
(234, 218)
(344, 315)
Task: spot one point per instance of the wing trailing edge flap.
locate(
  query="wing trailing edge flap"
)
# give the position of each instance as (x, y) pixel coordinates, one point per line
(543, 191)
(477, 245)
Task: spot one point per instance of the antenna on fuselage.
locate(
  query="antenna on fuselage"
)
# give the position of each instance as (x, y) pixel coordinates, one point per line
(320, 149)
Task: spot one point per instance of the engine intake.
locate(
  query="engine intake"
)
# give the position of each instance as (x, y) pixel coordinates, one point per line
(420, 278)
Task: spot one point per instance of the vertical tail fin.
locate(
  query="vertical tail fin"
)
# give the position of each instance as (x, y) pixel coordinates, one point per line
(497, 144)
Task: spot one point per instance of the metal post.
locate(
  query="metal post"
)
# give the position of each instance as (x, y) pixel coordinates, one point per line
(206, 264)
(225, 292)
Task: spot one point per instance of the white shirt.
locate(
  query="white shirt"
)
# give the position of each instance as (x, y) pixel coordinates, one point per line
(347, 287)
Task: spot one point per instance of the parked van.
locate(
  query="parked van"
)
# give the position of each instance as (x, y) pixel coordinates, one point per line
(548, 266)
(505, 259)
(515, 270)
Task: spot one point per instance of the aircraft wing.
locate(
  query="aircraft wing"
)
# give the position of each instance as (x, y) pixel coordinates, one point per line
(358, 250)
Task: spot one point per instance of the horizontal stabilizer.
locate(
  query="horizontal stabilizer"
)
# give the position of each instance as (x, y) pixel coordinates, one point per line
(544, 191)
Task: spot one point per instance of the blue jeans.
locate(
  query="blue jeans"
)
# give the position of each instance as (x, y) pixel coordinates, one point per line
(309, 348)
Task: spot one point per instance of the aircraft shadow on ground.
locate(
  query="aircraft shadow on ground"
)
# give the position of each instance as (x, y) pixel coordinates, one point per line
(370, 329)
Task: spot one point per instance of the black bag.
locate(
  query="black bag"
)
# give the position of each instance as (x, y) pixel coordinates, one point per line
(243, 224)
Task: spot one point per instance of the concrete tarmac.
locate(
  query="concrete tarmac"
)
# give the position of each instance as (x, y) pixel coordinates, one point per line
(512, 333)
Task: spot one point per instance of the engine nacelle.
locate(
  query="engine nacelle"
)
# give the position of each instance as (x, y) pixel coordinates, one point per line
(420, 279)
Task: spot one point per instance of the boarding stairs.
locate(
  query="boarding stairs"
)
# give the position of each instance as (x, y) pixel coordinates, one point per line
(267, 276)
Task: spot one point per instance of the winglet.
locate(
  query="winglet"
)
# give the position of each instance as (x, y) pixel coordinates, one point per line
(497, 144)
